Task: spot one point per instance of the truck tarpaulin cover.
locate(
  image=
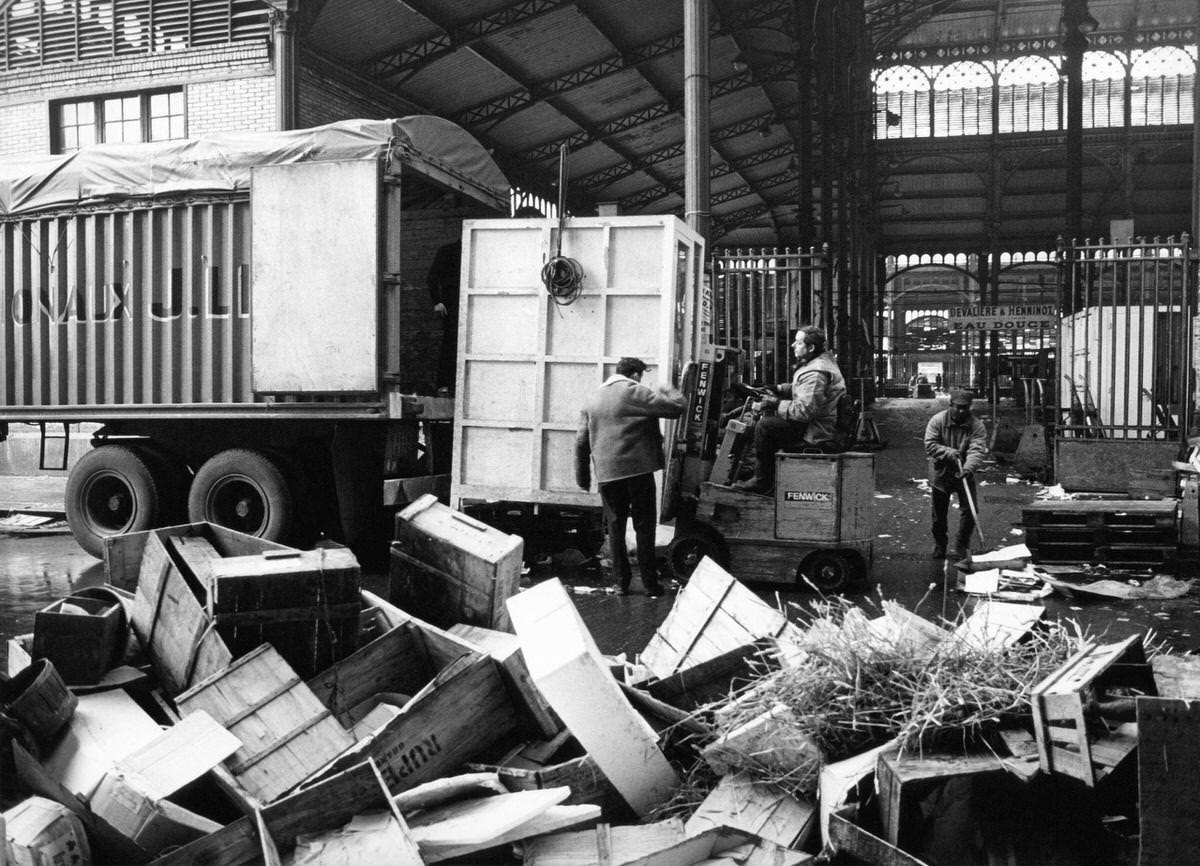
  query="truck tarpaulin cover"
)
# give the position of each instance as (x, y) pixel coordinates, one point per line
(431, 146)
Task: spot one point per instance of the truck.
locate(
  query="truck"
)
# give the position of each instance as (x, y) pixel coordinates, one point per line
(234, 318)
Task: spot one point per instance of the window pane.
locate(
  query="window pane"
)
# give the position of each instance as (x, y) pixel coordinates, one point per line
(87, 113)
(160, 129)
(159, 104)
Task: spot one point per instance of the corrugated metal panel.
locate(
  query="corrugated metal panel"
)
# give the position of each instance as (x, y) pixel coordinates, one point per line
(127, 307)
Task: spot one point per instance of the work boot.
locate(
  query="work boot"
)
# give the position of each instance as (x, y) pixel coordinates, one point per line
(939, 552)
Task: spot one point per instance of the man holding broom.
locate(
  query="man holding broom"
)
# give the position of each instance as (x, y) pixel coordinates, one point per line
(955, 443)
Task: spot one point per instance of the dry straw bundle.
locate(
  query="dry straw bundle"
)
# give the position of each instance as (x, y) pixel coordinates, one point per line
(852, 683)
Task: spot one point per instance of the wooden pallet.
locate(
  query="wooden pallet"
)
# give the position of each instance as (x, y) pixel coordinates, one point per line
(1062, 705)
(1102, 513)
(1108, 554)
(1123, 532)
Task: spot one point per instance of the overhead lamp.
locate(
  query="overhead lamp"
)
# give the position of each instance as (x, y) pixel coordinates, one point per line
(739, 63)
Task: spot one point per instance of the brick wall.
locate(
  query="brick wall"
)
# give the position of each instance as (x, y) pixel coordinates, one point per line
(235, 104)
(322, 99)
(232, 87)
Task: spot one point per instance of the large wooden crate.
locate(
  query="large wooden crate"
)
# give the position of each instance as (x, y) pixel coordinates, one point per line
(458, 705)
(527, 364)
(448, 567)
(287, 734)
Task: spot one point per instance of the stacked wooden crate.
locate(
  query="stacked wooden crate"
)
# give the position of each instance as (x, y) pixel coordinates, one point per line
(1109, 531)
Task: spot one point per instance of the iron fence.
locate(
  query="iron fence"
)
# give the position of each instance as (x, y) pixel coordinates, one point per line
(762, 296)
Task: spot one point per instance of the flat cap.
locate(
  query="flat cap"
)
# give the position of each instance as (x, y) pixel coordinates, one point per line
(961, 397)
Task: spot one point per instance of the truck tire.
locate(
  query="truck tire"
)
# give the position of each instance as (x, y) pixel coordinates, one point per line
(244, 490)
(110, 491)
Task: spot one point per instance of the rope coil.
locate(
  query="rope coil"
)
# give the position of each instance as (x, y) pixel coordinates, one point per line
(563, 279)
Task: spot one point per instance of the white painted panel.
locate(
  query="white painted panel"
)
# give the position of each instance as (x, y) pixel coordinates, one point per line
(498, 391)
(496, 457)
(571, 330)
(315, 236)
(558, 460)
(509, 256)
(567, 386)
(637, 255)
(633, 326)
(502, 325)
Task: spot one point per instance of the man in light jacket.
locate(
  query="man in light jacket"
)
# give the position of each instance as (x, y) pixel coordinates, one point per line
(955, 443)
(619, 432)
(808, 415)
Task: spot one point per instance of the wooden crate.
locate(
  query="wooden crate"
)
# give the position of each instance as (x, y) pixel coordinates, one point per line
(123, 553)
(305, 603)
(287, 734)
(713, 615)
(505, 648)
(170, 621)
(448, 567)
(81, 646)
(326, 805)
(1066, 743)
(458, 704)
(903, 780)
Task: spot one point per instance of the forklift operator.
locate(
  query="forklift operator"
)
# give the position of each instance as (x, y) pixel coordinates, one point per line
(807, 417)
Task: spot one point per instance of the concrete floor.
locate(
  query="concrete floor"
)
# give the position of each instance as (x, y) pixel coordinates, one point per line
(35, 570)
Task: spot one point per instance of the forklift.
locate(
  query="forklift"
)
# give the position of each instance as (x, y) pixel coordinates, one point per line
(815, 529)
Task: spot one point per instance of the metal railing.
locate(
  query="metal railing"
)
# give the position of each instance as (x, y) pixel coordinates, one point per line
(1125, 349)
(762, 296)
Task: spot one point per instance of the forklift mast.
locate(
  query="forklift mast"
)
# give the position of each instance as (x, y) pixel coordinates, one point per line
(707, 383)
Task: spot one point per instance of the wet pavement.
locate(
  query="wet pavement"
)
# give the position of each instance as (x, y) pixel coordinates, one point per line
(37, 569)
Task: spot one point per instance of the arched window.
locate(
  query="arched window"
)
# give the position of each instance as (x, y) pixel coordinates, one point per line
(962, 100)
(1161, 82)
(1103, 89)
(902, 102)
(1030, 95)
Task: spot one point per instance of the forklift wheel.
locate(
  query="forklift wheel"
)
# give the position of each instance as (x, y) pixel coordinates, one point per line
(692, 545)
(828, 570)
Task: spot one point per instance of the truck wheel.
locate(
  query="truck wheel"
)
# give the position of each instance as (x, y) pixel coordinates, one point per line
(690, 546)
(828, 570)
(243, 490)
(111, 490)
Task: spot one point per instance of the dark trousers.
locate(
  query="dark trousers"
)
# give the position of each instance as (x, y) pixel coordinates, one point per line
(622, 499)
(941, 508)
(447, 362)
(772, 434)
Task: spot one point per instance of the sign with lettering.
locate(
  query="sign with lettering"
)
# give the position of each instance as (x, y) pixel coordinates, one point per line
(1009, 317)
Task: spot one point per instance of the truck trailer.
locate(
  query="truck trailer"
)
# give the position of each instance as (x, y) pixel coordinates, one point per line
(234, 314)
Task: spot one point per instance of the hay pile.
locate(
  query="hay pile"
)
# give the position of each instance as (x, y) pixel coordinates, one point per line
(852, 683)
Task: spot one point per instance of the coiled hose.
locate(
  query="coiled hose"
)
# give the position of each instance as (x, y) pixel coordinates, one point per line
(563, 278)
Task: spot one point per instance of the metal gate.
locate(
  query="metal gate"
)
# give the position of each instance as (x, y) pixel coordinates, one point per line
(761, 297)
(1124, 360)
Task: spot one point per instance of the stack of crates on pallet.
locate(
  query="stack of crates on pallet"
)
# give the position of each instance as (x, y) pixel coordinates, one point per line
(1109, 531)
